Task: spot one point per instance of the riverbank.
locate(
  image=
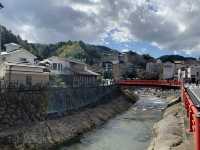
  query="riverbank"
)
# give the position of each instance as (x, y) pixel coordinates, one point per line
(47, 134)
(170, 132)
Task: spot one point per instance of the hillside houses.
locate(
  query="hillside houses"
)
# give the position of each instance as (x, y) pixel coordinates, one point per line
(189, 74)
(16, 54)
(189, 71)
(21, 66)
(18, 65)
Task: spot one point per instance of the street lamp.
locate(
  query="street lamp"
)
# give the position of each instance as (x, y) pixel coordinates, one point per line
(1, 7)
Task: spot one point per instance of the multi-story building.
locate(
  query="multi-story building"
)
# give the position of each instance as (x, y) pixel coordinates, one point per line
(168, 70)
(153, 67)
(179, 69)
(182, 74)
(193, 73)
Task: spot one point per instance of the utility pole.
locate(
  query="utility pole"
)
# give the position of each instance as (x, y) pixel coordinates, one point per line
(1, 7)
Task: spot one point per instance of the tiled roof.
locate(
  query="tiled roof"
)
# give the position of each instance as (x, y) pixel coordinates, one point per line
(66, 59)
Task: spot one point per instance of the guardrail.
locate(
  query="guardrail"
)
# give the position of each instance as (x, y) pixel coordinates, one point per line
(192, 107)
(167, 83)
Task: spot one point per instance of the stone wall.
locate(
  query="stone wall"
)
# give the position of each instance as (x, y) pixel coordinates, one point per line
(69, 99)
(22, 107)
(47, 134)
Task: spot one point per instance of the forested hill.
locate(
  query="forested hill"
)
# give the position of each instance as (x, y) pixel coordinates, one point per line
(88, 53)
(75, 49)
(173, 58)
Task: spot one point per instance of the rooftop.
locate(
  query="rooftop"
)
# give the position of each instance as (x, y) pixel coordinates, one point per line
(23, 65)
(65, 59)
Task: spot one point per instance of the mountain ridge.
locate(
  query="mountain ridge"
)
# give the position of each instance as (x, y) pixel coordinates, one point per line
(88, 53)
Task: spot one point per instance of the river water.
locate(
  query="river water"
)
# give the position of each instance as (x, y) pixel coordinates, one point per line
(131, 130)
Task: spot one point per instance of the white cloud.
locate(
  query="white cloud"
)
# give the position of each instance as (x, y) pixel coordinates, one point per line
(167, 24)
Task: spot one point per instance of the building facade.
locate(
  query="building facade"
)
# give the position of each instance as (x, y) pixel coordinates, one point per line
(168, 70)
(193, 74)
(153, 67)
(22, 74)
(71, 72)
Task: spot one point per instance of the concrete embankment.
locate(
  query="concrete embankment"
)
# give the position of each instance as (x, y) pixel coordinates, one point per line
(169, 132)
(47, 134)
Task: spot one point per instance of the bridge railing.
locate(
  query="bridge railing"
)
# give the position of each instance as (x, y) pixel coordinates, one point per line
(193, 114)
(150, 82)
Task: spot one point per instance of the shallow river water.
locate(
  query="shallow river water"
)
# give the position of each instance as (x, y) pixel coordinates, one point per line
(131, 130)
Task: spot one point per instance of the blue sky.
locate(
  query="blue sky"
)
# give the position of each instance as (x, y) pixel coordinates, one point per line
(143, 48)
(139, 47)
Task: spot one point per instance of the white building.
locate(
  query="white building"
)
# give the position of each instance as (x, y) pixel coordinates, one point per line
(63, 66)
(168, 70)
(180, 69)
(182, 74)
(73, 72)
(16, 54)
(58, 66)
(193, 73)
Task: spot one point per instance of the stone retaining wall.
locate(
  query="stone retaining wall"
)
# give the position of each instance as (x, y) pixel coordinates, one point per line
(20, 107)
(68, 99)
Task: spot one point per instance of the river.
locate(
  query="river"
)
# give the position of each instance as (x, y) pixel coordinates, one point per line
(131, 130)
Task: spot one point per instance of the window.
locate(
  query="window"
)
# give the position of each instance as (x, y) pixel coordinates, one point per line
(59, 67)
(54, 66)
(23, 60)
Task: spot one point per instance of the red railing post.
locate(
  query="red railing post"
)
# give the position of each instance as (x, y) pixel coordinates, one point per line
(186, 102)
(190, 120)
(197, 131)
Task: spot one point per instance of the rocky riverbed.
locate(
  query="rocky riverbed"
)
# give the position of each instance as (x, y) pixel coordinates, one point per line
(170, 132)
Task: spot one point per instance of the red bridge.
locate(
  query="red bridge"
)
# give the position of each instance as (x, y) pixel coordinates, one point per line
(151, 83)
(190, 98)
